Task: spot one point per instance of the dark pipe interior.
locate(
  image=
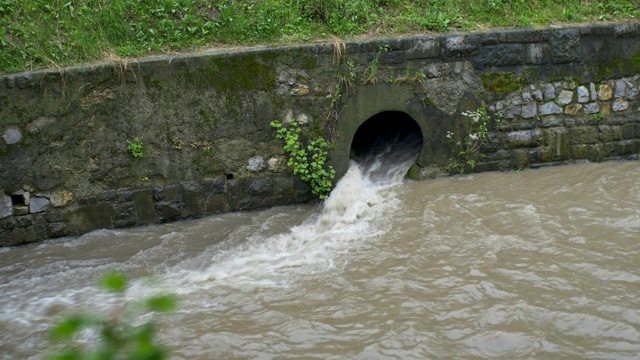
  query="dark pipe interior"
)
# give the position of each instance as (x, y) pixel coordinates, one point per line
(389, 127)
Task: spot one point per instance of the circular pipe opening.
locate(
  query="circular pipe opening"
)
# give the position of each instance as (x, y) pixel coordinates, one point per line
(384, 130)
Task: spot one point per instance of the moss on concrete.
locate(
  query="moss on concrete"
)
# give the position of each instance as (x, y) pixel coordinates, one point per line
(501, 83)
(235, 74)
(617, 67)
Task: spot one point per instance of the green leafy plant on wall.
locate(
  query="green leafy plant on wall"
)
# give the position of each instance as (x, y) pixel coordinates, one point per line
(119, 338)
(467, 149)
(308, 162)
(135, 148)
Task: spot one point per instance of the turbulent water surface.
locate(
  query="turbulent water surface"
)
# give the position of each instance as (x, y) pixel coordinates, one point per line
(540, 264)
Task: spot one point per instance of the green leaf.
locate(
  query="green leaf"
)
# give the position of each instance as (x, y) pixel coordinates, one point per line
(114, 282)
(161, 303)
(67, 354)
(68, 327)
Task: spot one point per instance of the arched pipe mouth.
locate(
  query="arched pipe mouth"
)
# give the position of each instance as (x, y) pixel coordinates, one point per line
(387, 131)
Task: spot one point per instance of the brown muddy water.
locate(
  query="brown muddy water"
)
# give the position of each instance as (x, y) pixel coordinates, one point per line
(539, 264)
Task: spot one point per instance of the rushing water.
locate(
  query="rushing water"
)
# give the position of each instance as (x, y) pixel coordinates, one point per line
(540, 264)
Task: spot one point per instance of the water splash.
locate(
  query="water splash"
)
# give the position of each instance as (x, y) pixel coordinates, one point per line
(354, 211)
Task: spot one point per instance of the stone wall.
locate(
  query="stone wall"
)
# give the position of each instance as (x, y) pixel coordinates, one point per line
(550, 122)
(207, 146)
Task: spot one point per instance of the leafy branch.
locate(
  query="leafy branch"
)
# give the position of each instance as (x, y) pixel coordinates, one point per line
(119, 338)
(308, 161)
(467, 149)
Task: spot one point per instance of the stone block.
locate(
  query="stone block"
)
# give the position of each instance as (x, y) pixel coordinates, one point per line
(256, 164)
(580, 151)
(540, 154)
(191, 197)
(572, 109)
(503, 55)
(172, 193)
(166, 193)
(40, 124)
(610, 132)
(550, 121)
(8, 224)
(216, 203)
(60, 198)
(525, 36)
(583, 135)
(512, 111)
(558, 142)
(21, 236)
(20, 210)
(593, 92)
(605, 92)
(109, 196)
(536, 54)
(620, 105)
(576, 121)
(6, 238)
(529, 111)
(125, 196)
(392, 57)
(214, 186)
(145, 207)
(523, 138)
(519, 159)
(550, 108)
(628, 131)
(459, 45)
(38, 204)
(54, 216)
(90, 217)
(591, 108)
(549, 92)
(12, 136)
(424, 49)
(630, 29)
(537, 95)
(626, 147)
(6, 208)
(565, 97)
(620, 89)
(124, 214)
(261, 187)
(237, 189)
(57, 229)
(565, 46)
(40, 228)
(24, 221)
(25, 82)
(169, 211)
(597, 29)
(596, 153)
(583, 94)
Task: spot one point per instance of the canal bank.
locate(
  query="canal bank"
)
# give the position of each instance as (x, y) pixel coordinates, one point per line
(166, 138)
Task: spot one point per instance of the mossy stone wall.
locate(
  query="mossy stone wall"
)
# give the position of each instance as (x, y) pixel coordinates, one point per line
(203, 119)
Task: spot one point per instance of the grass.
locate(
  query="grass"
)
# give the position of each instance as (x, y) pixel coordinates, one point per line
(53, 33)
